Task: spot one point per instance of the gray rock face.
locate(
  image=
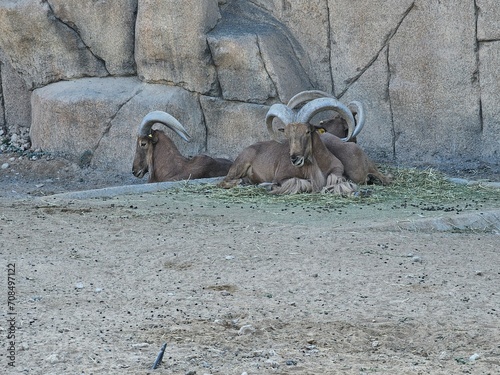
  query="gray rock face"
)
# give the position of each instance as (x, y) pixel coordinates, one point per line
(80, 75)
(105, 27)
(171, 44)
(41, 47)
(251, 46)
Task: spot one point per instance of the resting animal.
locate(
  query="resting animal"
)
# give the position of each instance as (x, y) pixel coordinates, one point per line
(357, 165)
(157, 154)
(337, 124)
(302, 163)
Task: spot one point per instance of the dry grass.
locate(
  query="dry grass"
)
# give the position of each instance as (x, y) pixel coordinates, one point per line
(411, 186)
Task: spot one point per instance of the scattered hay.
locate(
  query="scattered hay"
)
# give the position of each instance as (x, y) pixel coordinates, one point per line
(428, 189)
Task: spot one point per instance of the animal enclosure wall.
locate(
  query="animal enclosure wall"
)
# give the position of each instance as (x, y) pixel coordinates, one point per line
(426, 70)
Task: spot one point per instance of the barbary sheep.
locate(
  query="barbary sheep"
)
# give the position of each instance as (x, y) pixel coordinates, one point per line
(157, 154)
(358, 167)
(302, 163)
(336, 125)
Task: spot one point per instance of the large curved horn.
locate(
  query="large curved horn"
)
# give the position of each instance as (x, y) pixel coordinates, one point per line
(164, 118)
(281, 111)
(308, 111)
(307, 96)
(359, 109)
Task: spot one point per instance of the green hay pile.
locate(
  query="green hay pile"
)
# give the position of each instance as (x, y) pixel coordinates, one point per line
(427, 189)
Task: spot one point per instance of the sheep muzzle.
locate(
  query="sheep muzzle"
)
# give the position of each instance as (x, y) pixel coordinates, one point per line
(297, 160)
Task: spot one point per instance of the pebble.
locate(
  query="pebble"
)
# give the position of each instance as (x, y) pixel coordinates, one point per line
(246, 329)
(79, 285)
(54, 358)
(5, 165)
(140, 345)
(416, 259)
(473, 357)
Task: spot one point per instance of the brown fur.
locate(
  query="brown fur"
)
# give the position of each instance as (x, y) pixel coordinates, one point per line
(273, 162)
(358, 167)
(158, 155)
(336, 126)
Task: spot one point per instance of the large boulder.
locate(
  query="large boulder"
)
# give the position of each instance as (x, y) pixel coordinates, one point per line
(117, 146)
(71, 117)
(489, 142)
(233, 125)
(107, 28)
(171, 44)
(42, 48)
(251, 46)
(359, 33)
(15, 105)
(488, 27)
(433, 87)
(94, 121)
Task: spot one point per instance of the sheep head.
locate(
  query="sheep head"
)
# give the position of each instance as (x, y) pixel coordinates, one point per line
(289, 115)
(337, 125)
(147, 138)
(299, 136)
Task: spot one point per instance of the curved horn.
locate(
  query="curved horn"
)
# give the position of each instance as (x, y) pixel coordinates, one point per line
(164, 118)
(358, 107)
(307, 96)
(316, 106)
(282, 112)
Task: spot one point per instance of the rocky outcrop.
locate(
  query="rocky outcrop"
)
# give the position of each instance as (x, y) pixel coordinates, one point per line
(79, 76)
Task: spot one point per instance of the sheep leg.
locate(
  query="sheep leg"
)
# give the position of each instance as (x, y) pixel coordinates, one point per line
(293, 186)
(237, 175)
(384, 179)
(338, 185)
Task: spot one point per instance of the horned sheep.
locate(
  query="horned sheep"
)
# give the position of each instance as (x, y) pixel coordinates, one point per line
(358, 167)
(157, 154)
(302, 163)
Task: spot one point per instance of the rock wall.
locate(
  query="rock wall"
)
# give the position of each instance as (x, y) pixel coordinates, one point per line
(78, 76)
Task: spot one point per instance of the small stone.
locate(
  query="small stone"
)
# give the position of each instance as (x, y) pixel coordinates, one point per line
(416, 259)
(474, 357)
(54, 358)
(140, 345)
(444, 356)
(79, 285)
(5, 165)
(246, 329)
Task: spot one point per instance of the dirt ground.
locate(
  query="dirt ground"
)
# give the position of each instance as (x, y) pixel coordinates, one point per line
(239, 288)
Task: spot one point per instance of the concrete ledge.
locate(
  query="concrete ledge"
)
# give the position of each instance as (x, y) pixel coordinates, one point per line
(131, 189)
(463, 181)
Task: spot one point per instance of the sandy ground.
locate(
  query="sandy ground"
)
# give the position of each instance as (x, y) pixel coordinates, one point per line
(232, 288)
